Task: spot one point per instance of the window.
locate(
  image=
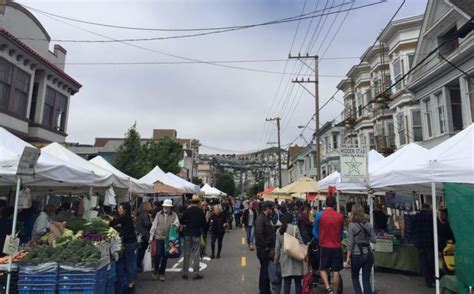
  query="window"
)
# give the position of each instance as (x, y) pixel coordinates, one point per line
(441, 112)
(427, 105)
(397, 72)
(55, 107)
(6, 70)
(372, 140)
(417, 128)
(362, 141)
(411, 58)
(14, 88)
(334, 141)
(376, 85)
(448, 41)
(20, 96)
(456, 108)
(401, 129)
(391, 134)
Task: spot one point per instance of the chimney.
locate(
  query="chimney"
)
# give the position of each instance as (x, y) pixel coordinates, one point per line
(60, 54)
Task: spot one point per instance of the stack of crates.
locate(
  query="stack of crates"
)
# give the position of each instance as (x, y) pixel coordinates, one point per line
(111, 278)
(91, 280)
(41, 279)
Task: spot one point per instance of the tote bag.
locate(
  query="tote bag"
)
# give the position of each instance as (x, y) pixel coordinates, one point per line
(173, 243)
(293, 247)
(147, 263)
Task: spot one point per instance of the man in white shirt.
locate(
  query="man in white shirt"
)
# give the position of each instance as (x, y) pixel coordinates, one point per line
(43, 222)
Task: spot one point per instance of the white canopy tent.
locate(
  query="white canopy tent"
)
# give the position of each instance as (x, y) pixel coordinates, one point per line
(102, 177)
(211, 191)
(157, 174)
(189, 187)
(49, 170)
(135, 186)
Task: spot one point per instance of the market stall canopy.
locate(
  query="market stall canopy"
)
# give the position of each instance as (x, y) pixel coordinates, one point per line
(135, 186)
(302, 185)
(190, 188)
(102, 178)
(211, 191)
(162, 189)
(49, 170)
(266, 192)
(158, 175)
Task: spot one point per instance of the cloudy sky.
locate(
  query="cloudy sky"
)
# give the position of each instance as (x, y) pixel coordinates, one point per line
(225, 108)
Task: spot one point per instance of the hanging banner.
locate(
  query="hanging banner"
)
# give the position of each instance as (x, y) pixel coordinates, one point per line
(398, 201)
(353, 164)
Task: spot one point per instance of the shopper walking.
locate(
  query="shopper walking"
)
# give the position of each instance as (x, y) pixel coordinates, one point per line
(124, 224)
(237, 212)
(143, 227)
(218, 225)
(207, 213)
(265, 242)
(248, 219)
(291, 269)
(328, 228)
(359, 253)
(194, 222)
(164, 220)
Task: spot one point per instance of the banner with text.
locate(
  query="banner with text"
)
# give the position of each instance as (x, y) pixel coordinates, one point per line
(353, 164)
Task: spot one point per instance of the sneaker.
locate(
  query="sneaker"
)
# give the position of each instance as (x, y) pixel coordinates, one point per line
(185, 277)
(198, 277)
(162, 278)
(329, 291)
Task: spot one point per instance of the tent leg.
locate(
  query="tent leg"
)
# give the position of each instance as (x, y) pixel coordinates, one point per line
(13, 235)
(435, 235)
(338, 201)
(371, 212)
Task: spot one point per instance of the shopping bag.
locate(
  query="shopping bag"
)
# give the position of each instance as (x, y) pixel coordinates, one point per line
(147, 262)
(274, 272)
(308, 281)
(202, 241)
(293, 247)
(173, 243)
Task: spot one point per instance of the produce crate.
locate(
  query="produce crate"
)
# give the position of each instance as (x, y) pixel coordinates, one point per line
(37, 289)
(110, 288)
(83, 288)
(84, 280)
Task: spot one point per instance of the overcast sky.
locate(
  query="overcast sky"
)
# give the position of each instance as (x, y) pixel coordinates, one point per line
(223, 108)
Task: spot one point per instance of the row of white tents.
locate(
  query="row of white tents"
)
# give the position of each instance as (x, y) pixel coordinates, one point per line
(417, 169)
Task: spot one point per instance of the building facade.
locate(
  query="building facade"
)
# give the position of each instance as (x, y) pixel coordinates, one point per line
(35, 90)
(331, 140)
(443, 85)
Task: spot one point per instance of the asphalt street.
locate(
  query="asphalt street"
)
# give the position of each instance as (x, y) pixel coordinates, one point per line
(236, 272)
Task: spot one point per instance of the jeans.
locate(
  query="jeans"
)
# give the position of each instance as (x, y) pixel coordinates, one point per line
(427, 264)
(263, 280)
(364, 262)
(203, 248)
(142, 247)
(130, 261)
(250, 235)
(287, 284)
(216, 237)
(237, 219)
(192, 248)
(160, 257)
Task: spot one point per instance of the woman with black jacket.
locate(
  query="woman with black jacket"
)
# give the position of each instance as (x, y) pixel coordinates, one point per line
(218, 225)
(248, 219)
(124, 224)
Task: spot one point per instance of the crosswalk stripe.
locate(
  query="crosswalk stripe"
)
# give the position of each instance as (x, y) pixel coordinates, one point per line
(244, 261)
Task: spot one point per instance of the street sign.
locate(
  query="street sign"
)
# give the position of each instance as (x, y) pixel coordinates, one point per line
(28, 160)
(353, 164)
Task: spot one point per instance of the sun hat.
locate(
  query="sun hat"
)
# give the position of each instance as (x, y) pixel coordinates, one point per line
(167, 203)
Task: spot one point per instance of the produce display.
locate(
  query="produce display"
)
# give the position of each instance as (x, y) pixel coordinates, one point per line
(17, 257)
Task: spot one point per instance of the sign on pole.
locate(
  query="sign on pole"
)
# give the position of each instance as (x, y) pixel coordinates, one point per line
(28, 159)
(353, 164)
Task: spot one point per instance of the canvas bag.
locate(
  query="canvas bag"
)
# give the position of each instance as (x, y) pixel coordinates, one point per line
(173, 243)
(293, 247)
(147, 261)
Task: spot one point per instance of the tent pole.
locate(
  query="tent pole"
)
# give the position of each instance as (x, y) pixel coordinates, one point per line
(435, 235)
(13, 235)
(371, 197)
(338, 201)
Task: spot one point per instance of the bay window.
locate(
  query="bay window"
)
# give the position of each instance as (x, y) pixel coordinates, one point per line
(55, 108)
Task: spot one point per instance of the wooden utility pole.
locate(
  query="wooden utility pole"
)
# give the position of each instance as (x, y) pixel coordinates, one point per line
(316, 100)
(277, 119)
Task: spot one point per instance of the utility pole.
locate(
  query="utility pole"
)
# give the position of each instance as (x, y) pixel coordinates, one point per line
(277, 119)
(316, 100)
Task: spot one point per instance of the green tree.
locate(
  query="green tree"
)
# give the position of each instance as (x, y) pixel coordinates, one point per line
(167, 153)
(225, 183)
(128, 157)
(197, 181)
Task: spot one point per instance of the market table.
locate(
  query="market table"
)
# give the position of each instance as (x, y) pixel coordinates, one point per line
(404, 258)
(448, 285)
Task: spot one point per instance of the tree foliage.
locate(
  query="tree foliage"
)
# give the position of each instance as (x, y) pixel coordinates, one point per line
(225, 183)
(137, 160)
(128, 157)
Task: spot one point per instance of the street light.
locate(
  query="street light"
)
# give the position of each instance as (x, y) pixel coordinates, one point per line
(302, 127)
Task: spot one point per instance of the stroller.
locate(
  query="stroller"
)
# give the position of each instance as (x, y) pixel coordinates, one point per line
(313, 260)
